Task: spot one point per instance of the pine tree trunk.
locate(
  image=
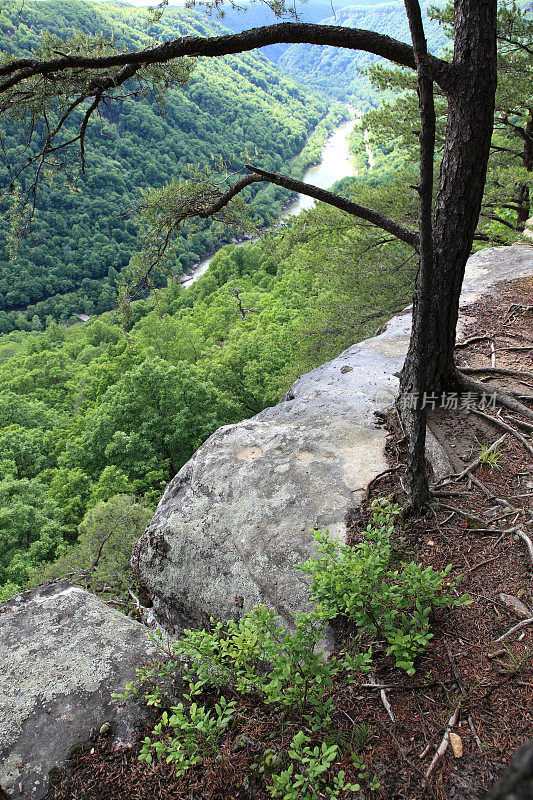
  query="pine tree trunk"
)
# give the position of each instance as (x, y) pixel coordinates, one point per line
(527, 159)
(457, 207)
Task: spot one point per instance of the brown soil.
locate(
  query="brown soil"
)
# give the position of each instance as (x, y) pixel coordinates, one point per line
(464, 666)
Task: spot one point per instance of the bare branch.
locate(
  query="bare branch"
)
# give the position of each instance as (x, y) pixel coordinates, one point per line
(229, 195)
(368, 214)
(286, 32)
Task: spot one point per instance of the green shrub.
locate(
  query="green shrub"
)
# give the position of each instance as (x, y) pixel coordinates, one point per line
(384, 599)
(9, 590)
(187, 735)
(258, 655)
(100, 560)
(313, 780)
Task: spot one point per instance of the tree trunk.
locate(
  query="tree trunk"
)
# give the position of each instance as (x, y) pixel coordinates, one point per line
(457, 206)
(414, 415)
(461, 183)
(523, 189)
(516, 783)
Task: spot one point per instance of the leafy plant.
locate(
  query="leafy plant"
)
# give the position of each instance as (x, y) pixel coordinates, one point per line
(313, 779)
(362, 583)
(187, 735)
(100, 559)
(259, 655)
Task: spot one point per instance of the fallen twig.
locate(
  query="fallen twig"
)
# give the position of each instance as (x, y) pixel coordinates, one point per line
(520, 308)
(474, 733)
(473, 464)
(453, 665)
(416, 769)
(525, 538)
(505, 426)
(517, 348)
(527, 397)
(482, 564)
(493, 531)
(386, 704)
(425, 751)
(516, 627)
(451, 493)
(443, 746)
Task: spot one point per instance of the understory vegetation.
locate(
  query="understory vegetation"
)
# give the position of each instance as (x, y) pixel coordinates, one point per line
(256, 666)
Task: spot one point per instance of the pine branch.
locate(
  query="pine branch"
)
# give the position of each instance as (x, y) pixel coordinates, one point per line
(370, 215)
(287, 32)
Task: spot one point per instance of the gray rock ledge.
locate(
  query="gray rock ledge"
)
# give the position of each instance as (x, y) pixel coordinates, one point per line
(63, 652)
(237, 517)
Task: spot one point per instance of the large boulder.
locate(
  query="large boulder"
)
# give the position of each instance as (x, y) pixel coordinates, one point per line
(63, 652)
(238, 515)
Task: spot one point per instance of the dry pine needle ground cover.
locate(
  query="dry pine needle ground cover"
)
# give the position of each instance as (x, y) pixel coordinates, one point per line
(473, 687)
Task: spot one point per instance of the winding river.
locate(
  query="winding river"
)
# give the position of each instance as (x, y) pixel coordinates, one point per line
(336, 163)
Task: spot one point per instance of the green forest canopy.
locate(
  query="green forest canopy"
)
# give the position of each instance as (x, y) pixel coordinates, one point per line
(95, 412)
(79, 242)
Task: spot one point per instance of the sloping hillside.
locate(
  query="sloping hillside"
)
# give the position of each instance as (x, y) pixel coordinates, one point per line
(79, 242)
(336, 71)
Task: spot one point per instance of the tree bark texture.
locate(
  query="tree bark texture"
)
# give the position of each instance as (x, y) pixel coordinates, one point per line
(415, 414)
(516, 783)
(460, 191)
(527, 159)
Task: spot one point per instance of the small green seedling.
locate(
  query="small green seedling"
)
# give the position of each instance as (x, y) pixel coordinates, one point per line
(490, 458)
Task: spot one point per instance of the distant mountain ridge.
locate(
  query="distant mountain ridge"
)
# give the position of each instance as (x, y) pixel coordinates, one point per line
(336, 71)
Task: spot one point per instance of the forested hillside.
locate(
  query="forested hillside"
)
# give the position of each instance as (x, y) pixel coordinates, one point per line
(95, 411)
(336, 71)
(252, 15)
(79, 241)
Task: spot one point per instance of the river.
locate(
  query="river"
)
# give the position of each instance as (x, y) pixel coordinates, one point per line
(336, 163)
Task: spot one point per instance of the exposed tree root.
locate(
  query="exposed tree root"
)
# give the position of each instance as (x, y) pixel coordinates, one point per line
(473, 464)
(512, 373)
(502, 397)
(501, 424)
(521, 423)
(472, 340)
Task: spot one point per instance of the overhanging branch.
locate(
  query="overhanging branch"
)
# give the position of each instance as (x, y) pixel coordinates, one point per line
(229, 195)
(193, 46)
(368, 214)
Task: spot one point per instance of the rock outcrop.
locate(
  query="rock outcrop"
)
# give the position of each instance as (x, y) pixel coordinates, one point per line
(238, 515)
(62, 652)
